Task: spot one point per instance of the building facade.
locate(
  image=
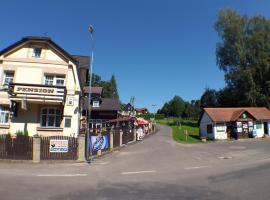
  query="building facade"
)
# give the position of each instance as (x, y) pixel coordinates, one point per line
(40, 89)
(102, 109)
(226, 123)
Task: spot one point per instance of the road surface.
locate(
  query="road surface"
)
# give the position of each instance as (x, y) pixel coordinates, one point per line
(156, 168)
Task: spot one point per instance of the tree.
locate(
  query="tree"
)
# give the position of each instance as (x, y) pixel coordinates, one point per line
(96, 80)
(114, 90)
(209, 98)
(109, 87)
(244, 55)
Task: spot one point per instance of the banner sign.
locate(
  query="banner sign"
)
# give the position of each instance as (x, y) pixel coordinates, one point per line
(58, 146)
(100, 142)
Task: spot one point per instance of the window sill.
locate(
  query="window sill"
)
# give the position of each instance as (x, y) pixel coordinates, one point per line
(4, 126)
(49, 129)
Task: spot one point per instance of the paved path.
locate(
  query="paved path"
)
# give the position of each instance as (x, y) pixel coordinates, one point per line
(156, 168)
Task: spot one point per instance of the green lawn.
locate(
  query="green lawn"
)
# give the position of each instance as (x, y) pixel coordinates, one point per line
(179, 130)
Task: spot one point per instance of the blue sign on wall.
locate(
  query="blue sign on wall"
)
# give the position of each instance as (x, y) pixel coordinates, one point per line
(99, 142)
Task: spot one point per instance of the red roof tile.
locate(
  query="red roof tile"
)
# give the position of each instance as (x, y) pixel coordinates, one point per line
(232, 114)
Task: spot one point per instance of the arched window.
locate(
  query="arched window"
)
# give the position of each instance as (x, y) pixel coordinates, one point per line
(50, 117)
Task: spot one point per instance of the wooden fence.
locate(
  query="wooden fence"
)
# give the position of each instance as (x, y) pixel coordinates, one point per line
(19, 148)
(46, 154)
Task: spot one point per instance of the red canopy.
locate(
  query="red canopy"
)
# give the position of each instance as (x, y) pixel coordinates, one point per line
(141, 121)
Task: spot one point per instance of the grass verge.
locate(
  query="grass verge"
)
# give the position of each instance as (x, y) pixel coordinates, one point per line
(179, 130)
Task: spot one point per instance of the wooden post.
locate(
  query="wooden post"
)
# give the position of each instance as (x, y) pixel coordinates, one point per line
(186, 133)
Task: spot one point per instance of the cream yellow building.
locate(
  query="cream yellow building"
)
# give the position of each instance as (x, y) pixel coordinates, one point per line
(40, 88)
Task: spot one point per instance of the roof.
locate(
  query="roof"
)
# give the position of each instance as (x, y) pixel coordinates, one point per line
(83, 61)
(94, 90)
(232, 114)
(38, 39)
(108, 105)
(141, 109)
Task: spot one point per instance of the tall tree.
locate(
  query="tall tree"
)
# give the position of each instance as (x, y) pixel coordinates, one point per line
(114, 89)
(209, 98)
(243, 53)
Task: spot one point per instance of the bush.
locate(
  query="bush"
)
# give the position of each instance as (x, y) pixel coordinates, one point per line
(151, 115)
(20, 132)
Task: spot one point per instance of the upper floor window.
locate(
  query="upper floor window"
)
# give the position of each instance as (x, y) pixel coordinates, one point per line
(50, 117)
(95, 104)
(54, 80)
(4, 114)
(8, 78)
(36, 52)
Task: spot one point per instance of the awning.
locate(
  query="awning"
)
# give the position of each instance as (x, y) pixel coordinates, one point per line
(141, 121)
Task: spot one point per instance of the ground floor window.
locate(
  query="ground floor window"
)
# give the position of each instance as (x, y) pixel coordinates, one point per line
(209, 128)
(50, 117)
(4, 114)
(220, 127)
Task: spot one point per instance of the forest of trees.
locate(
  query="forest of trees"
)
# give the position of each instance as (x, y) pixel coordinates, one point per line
(109, 87)
(243, 54)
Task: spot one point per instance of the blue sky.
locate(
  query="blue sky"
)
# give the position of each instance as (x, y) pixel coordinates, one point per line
(155, 48)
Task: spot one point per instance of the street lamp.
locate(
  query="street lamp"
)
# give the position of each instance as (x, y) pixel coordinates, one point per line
(89, 154)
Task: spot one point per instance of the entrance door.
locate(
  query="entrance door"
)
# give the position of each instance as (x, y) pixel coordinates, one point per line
(265, 125)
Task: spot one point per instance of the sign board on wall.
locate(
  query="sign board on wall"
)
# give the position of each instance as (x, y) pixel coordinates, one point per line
(34, 90)
(58, 146)
(100, 142)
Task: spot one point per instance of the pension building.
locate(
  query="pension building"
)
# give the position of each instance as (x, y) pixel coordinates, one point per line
(40, 88)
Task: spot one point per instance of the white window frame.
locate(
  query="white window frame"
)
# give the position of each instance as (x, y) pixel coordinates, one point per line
(220, 127)
(10, 79)
(51, 79)
(34, 54)
(4, 114)
(95, 104)
(47, 114)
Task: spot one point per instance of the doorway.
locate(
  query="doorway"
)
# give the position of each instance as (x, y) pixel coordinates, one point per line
(265, 127)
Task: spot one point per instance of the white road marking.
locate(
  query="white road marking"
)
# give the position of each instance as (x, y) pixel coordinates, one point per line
(99, 163)
(60, 175)
(198, 167)
(139, 172)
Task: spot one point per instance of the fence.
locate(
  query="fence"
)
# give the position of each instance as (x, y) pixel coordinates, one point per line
(116, 137)
(49, 152)
(127, 136)
(19, 148)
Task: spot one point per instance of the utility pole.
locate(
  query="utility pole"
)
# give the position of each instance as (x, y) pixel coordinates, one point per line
(88, 139)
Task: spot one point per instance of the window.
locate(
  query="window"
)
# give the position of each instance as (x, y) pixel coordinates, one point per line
(95, 104)
(220, 127)
(258, 125)
(49, 80)
(36, 52)
(67, 122)
(54, 80)
(8, 78)
(59, 80)
(50, 117)
(4, 114)
(209, 128)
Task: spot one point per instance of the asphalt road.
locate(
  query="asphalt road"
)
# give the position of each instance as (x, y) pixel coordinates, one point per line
(156, 168)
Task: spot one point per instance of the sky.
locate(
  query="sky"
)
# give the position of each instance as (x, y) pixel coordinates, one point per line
(156, 48)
